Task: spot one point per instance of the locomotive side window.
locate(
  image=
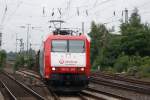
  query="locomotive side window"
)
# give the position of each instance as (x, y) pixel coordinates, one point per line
(76, 46)
(59, 46)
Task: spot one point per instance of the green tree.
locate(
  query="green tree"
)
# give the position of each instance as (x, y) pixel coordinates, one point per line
(19, 62)
(113, 50)
(134, 26)
(99, 40)
(122, 63)
(30, 62)
(136, 36)
(127, 52)
(94, 48)
(2, 59)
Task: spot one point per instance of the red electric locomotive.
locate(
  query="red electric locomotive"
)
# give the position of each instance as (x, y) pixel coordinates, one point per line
(65, 61)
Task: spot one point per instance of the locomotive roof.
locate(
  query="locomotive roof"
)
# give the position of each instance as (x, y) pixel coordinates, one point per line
(51, 36)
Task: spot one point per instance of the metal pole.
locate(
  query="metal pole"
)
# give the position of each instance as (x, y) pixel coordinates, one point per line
(16, 42)
(28, 37)
(1, 28)
(21, 42)
(82, 27)
(23, 47)
(0, 40)
(60, 16)
(30, 48)
(126, 15)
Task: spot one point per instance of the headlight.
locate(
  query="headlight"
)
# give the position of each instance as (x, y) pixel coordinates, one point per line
(53, 68)
(82, 69)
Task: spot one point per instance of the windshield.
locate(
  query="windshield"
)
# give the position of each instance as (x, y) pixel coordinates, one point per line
(73, 46)
(59, 46)
(76, 46)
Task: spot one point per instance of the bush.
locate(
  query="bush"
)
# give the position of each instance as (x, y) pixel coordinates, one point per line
(132, 71)
(122, 63)
(2, 59)
(30, 62)
(145, 67)
(110, 70)
(141, 67)
(19, 62)
(145, 71)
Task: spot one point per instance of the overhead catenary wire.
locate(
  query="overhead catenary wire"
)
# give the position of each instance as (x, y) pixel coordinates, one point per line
(6, 17)
(4, 13)
(101, 10)
(1, 23)
(88, 13)
(87, 10)
(13, 13)
(113, 17)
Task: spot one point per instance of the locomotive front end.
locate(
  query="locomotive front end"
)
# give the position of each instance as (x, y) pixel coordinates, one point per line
(65, 62)
(68, 64)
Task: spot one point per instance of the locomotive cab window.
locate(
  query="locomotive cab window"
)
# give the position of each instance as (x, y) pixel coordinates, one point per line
(72, 46)
(59, 46)
(76, 46)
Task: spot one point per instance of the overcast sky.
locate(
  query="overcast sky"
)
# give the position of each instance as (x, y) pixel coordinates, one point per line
(17, 13)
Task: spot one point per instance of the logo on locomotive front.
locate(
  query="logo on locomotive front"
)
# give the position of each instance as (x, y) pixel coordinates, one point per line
(61, 61)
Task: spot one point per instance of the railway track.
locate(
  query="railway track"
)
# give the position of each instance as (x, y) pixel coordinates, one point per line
(88, 94)
(107, 81)
(54, 95)
(121, 84)
(121, 78)
(84, 95)
(28, 73)
(17, 90)
(107, 95)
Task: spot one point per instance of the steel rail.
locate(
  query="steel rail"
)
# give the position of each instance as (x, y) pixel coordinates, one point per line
(108, 94)
(91, 95)
(120, 85)
(8, 90)
(32, 75)
(55, 96)
(38, 96)
(82, 96)
(121, 78)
